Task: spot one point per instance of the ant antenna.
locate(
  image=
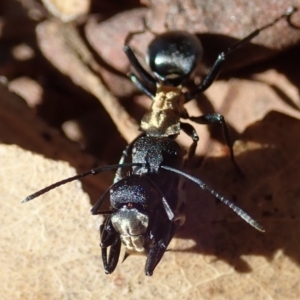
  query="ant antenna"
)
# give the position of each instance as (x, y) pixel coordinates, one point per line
(231, 205)
(79, 176)
(287, 15)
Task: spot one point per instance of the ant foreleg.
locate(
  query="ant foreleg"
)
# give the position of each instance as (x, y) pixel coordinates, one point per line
(141, 86)
(126, 153)
(109, 238)
(145, 76)
(216, 68)
(156, 252)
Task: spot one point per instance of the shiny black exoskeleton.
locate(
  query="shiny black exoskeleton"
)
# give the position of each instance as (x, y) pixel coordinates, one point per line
(138, 220)
(172, 58)
(145, 206)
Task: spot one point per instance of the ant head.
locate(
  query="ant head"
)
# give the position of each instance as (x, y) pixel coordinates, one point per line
(173, 56)
(136, 190)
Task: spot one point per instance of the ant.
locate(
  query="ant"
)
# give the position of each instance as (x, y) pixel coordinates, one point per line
(172, 57)
(145, 208)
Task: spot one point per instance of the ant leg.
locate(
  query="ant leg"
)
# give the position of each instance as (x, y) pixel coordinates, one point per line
(191, 132)
(149, 80)
(109, 238)
(289, 16)
(156, 253)
(126, 152)
(113, 257)
(217, 118)
(154, 256)
(130, 35)
(216, 68)
(107, 233)
(140, 86)
(173, 216)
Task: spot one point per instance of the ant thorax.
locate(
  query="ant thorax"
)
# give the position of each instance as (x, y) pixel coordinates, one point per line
(163, 119)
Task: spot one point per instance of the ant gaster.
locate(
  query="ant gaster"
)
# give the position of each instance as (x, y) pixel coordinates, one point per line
(145, 207)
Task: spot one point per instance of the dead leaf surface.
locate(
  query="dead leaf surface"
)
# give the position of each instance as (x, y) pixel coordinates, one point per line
(50, 246)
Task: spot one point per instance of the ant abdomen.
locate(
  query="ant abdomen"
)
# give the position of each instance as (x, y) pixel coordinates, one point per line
(173, 56)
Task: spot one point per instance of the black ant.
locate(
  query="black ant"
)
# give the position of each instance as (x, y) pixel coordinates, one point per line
(172, 58)
(145, 206)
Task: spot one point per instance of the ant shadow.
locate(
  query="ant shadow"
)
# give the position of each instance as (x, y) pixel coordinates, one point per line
(269, 193)
(286, 63)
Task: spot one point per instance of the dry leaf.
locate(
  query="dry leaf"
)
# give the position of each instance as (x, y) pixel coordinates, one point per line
(67, 10)
(50, 245)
